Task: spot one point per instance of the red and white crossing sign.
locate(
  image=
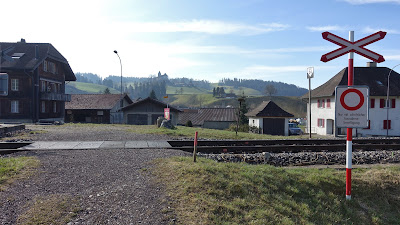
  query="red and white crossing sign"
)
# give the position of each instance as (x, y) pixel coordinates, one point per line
(357, 46)
(351, 106)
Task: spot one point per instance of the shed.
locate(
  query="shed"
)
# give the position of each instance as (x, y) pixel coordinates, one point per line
(269, 118)
(211, 118)
(95, 108)
(146, 111)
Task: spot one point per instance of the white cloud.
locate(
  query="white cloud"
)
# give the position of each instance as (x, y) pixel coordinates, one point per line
(373, 30)
(361, 2)
(204, 26)
(326, 28)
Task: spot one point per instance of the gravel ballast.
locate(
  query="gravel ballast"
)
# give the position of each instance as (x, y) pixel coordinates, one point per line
(113, 186)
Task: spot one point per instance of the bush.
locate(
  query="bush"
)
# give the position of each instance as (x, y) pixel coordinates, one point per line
(189, 123)
(242, 127)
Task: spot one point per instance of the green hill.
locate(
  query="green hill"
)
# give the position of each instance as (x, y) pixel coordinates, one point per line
(187, 90)
(239, 90)
(87, 88)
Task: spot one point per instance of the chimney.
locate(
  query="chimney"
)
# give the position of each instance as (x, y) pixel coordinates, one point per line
(36, 52)
(22, 41)
(371, 64)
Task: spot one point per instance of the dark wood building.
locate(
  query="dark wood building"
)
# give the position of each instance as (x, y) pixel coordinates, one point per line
(32, 82)
(96, 108)
(146, 111)
(211, 118)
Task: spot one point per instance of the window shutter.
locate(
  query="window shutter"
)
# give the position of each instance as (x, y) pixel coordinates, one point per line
(323, 103)
(393, 103)
(382, 103)
(319, 103)
(328, 103)
(385, 124)
(372, 103)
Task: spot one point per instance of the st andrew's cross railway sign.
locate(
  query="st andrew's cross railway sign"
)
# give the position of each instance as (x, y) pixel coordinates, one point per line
(351, 106)
(357, 46)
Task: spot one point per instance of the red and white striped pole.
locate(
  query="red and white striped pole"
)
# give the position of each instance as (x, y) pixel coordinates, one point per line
(349, 142)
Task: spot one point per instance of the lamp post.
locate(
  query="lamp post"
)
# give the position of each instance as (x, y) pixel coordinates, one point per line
(310, 74)
(115, 51)
(387, 102)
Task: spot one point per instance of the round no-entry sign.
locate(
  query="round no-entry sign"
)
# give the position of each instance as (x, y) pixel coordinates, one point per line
(360, 95)
(351, 106)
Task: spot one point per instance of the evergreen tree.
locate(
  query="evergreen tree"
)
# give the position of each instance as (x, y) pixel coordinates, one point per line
(243, 110)
(107, 91)
(214, 92)
(153, 95)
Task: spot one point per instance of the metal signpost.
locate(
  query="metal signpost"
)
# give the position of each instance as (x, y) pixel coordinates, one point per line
(350, 46)
(310, 74)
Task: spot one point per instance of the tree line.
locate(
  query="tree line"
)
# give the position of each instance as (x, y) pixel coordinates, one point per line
(282, 89)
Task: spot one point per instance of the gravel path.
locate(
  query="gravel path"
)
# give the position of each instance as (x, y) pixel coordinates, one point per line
(113, 186)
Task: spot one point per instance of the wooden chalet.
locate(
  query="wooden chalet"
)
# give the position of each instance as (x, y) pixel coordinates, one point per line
(32, 82)
(96, 108)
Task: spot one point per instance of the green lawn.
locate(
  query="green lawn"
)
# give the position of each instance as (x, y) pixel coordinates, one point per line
(208, 192)
(182, 131)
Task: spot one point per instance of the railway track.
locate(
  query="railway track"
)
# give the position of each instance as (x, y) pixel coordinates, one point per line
(277, 146)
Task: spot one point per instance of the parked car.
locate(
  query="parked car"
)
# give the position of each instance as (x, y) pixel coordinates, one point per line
(294, 129)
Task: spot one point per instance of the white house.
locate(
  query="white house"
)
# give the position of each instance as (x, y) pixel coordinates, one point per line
(376, 78)
(270, 119)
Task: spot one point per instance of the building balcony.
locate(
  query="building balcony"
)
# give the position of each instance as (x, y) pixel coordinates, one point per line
(55, 97)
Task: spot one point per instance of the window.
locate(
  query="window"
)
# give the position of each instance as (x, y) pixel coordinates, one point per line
(328, 103)
(382, 103)
(14, 84)
(387, 124)
(14, 106)
(52, 67)
(319, 103)
(321, 123)
(54, 107)
(323, 103)
(369, 125)
(43, 86)
(372, 103)
(3, 84)
(45, 66)
(43, 106)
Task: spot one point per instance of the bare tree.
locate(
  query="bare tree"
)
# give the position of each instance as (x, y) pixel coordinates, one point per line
(270, 90)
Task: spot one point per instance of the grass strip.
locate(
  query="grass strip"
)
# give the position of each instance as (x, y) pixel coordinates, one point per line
(12, 168)
(53, 209)
(182, 131)
(208, 192)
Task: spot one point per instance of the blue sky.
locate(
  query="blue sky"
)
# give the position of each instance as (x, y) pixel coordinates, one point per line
(208, 39)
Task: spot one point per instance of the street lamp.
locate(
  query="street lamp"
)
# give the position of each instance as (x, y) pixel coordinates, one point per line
(387, 102)
(310, 74)
(115, 51)
(241, 99)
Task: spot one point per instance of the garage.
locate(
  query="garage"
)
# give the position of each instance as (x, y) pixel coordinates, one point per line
(137, 119)
(274, 126)
(270, 119)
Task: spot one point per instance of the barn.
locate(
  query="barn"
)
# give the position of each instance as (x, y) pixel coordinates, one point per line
(270, 119)
(146, 111)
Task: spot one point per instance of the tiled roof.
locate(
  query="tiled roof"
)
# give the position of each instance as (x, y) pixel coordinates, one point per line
(268, 109)
(94, 101)
(208, 114)
(28, 61)
(373, 77)
(155, 101)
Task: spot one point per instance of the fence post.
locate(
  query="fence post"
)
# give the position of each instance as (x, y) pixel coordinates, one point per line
(195, 147)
